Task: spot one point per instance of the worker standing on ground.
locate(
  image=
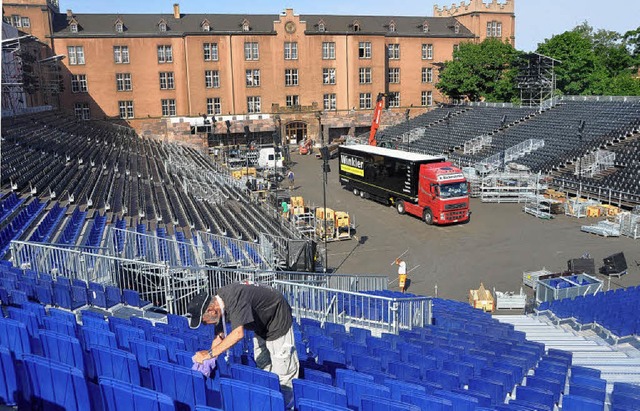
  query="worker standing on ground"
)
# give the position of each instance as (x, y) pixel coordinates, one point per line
(256, 308)
(402, 274)
(291, 178)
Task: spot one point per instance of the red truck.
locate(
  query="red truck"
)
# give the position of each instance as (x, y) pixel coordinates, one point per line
(428, 187)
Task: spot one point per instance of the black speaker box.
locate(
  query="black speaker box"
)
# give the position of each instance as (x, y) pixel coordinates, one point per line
(582, 265)
(614, 264)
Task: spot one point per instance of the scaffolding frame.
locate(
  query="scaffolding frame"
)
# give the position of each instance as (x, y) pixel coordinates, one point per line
(536, 81)
(510, 187)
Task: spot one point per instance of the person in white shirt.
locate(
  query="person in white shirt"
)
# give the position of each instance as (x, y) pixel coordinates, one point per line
(402, 274)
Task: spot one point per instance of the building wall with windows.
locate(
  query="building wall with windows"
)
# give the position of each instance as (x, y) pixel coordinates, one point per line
(139, 67)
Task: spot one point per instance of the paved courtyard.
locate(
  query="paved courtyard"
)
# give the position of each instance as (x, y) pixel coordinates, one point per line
(494, 248)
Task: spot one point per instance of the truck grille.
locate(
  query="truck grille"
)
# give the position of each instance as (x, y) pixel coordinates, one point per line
(448, 207)
(455, 215)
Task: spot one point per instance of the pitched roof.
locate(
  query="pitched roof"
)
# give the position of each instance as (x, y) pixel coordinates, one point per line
(98, 25)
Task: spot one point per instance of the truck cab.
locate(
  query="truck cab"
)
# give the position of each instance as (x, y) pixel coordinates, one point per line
(443, 194)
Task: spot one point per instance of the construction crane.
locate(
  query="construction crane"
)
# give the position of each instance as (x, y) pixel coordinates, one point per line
(375, 122)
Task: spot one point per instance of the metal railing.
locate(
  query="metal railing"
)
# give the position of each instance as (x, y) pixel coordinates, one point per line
(584, 284)
(592, 190)
(379, 313)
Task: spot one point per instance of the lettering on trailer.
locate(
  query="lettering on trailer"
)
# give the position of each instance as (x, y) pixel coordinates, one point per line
(352, 164)
(449, 177)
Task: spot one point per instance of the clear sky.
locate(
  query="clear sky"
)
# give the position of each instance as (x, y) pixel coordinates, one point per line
(536, 20)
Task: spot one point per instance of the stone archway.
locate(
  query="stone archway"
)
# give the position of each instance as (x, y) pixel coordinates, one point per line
(295, 131)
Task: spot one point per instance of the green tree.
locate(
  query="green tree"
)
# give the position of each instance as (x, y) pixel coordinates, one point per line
(481, 71)
(632, 41)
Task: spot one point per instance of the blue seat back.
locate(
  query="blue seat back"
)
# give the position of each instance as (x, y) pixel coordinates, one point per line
(100, 337)
(125, 333)
(356, 388)
(318, 376)
(146, 350)
(399, 388)
(240, 395)
(317, 391)
(306, 404)
(255, 376)
(428, 402)
(382, 404)
(94, 322)
(572, 402)
(62, 348)
(56, 385)
(59, 325)
(342, 374)
(118, 395)
(184, 385)
(14, 336)
(8, 379)
(116, 364)
(27, 318)
(173, 344)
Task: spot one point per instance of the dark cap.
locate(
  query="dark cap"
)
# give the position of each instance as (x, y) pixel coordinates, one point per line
(196, 308)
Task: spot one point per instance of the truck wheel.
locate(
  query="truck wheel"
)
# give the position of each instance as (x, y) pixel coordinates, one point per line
(400, 207)
(355, 192)
(427, 216)
(363, 194)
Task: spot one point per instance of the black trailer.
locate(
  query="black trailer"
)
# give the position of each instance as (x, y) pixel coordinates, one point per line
(382, 173)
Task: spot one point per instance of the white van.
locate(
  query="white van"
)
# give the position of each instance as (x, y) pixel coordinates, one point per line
(267, 158)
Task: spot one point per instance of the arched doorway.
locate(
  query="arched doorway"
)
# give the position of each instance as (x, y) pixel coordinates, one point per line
(295, 131)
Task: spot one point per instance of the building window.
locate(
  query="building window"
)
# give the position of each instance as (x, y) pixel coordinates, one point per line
(211, 78)
(81, 111)
(206, 26)
(328, 50)
(364, 50)
(16, 21)
(252, 78)
(427, 52)
(162, 26)
(73, 27)
(365, 75)
(291, 77)
(426, 99)
(356, 26)
(214, 108)
(291, 51)
(121, 54)
(365, 100)
(253, 104)
(123, 81)
(322, 28)
(329, 101)
(126, 109)
(251, 51)
(292, 101)
(78, 83)
(328, 76)
(425, 27)
(494, 29)
(456, 47)
(392, 27)
(456, 28)
(165, 54)
(393, 51)
(394, 75)
(166, 81)
(76, 55)
(210, 51)
(245, 26)
(427, 75)
(394, 99)
(119, 27)
(26, 22)
(168, 107)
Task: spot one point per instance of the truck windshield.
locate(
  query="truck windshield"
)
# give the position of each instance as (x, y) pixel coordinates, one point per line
(453, 190)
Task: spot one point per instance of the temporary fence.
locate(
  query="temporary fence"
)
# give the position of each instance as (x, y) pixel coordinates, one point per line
(376, 312)
(558, 288)
(596, 192)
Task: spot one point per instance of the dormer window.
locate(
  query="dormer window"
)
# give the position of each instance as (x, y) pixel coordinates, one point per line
(322, 27)
(425, 27)
(73, 27)
(392, 26)
(162, 25)
(456, 28)
(246, 26)
(119, 26)
(205, 25)
(356, 25)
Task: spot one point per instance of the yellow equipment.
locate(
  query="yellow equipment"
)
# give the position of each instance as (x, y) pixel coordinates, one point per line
(343, 225)
(481, 299)
(323, 214)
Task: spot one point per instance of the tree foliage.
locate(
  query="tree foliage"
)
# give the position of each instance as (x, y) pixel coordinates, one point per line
(481, 71)
(598, 62)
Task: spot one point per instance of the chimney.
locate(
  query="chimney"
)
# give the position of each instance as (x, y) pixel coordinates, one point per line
(176, 10)
(69, 13)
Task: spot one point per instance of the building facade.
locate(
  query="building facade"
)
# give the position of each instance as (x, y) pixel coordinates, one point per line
(307, 74)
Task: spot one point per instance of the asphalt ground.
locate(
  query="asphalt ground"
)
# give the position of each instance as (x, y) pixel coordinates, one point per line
(494, 248)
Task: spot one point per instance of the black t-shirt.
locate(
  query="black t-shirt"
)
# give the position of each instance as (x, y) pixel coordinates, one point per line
(260, 309)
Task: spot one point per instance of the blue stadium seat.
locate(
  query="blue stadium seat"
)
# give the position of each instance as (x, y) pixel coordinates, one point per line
(185, 386)
(572, 402)
(317, 391)
(317, 376)
(173, 344)
(535, 395)
(461, 402)
(255, 376)
(314, 405)
(60, 326)
(146, 350)
(8, 380)
(118, 395)
(399, 388)
(14, 336)
(94, 323)
(382, 404)
(25, 317)
(62, 348)
(429, 402)
(117, 364)
(125, 333)
(343, 374)
(242, 396)
(356, 388)
(585, 371)
(95, 336)
(54, 385)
